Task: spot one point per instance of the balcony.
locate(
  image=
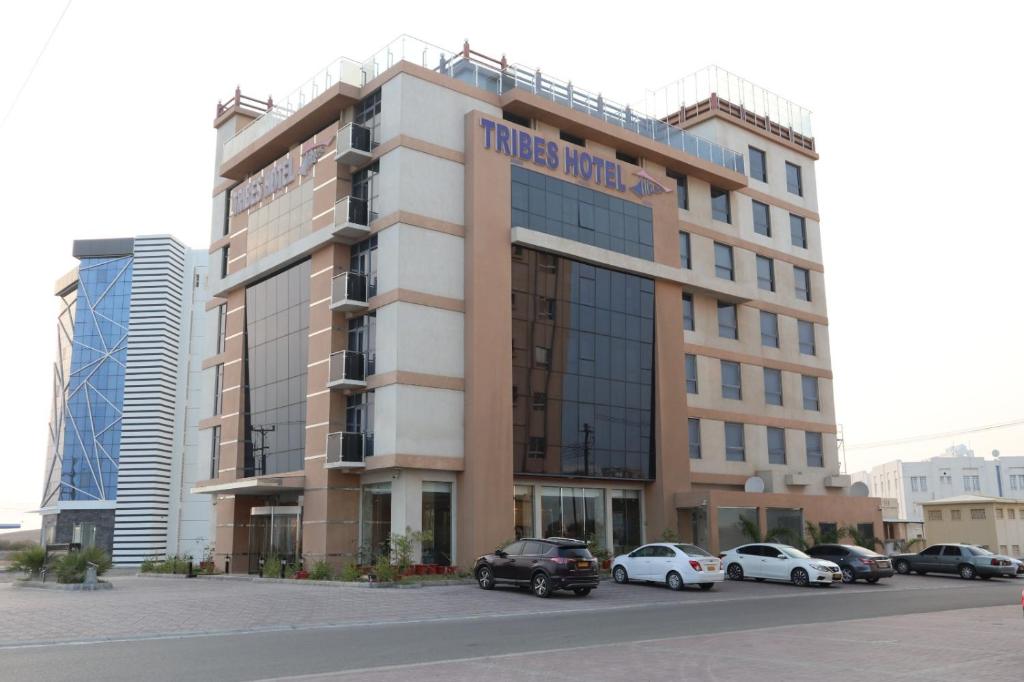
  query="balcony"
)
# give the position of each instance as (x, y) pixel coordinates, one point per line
(352, 219)
(349, 292)
(347, 370)
(348, 449)
(353, 145)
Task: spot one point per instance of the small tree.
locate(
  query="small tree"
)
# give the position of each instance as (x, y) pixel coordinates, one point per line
(31, 560)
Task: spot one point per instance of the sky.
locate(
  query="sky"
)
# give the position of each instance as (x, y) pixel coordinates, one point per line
(915, 111)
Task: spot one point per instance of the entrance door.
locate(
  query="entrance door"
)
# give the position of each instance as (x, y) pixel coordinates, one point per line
(274, 535)
(437, 523)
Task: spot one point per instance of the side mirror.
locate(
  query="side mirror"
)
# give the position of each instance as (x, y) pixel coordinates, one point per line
(782, 556)
(500, 553)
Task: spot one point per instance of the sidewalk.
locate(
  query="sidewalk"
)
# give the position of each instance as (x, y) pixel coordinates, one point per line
(947, 646)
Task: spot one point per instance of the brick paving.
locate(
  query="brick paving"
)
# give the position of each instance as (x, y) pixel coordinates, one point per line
(947, 646)
(145, 607)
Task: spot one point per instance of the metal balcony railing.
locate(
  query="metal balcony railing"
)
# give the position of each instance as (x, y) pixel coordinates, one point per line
(353, 145)
(347, 369)
(349, 291)
(352, 217)
(348, 449)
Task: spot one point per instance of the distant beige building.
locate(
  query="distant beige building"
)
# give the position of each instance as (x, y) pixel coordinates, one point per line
(995, 523)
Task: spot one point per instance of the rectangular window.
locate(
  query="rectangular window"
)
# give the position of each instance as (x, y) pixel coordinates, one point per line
(536, 447)
(694, 428)
(735, 450)
(923, 481)
(798, 231)
(572, 512)
(572, 139)
(806, 332)
(218, 389)
(720, 208)
(215, 452)
(222, 324)
(691, 373)
(540, 401)
(776, 445)
(772, 386)
(689, 323)
(999, 516)
(954, 515)
(972, 483)
(727, 325)
(794, 179)
(978, 514)
(682, 191)
(810, 386)
(815, 454)
(723, 262)
(623, 156)
(913, 484)
(224, 257)
(1011, 514)
(684, 250)
(934, 514)
(518, 120)
(762, 219)
(802, 279)
(758, 164)
(732, 382)
(765, 273)
(769, 329)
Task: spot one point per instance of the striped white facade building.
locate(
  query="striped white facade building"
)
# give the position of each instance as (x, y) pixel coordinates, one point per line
(130, 419)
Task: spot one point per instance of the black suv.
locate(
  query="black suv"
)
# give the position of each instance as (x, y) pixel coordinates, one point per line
(855, 562)
(542, 565)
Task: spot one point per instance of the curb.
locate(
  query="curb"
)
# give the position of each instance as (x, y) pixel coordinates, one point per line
(71, 587)
(362, 584)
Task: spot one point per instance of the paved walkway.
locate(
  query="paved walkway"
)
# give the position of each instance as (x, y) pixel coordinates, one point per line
(946, 646)
(146, 607)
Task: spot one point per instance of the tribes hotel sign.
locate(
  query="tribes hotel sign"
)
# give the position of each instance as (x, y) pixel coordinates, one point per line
(573, 160)
(275, 178)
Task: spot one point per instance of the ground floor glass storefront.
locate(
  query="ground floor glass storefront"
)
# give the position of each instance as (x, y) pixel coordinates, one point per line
(609, 518)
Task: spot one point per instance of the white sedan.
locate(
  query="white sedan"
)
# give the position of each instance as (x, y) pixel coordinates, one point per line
(674, 564)
(770, 561)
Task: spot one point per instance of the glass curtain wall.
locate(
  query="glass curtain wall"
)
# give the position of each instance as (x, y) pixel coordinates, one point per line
(733, 525)
(785, 525)
(573, 513)
(277, 347)
(437, 523)
(523, 506)
(626, 523)
(375, 528)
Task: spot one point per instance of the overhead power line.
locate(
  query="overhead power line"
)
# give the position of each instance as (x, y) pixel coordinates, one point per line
(32, 70)
(934, 436)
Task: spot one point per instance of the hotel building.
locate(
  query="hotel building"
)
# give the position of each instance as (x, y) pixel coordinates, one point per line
(460, 296)
(123, 449)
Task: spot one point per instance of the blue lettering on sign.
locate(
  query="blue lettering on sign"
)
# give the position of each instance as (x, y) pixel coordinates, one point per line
(522, 145)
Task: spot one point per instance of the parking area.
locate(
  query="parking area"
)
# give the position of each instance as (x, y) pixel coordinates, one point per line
(145, 607)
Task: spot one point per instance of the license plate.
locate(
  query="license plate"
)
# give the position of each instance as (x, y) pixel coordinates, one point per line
(582, 564)
(883, 564)
(712, 567)
(837, 576)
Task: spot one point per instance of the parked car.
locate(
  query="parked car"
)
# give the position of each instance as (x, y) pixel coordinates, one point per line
(542, 565)
(1017, 564)
(771, 561)
(856, 563)
(969, 561)
(673, 564)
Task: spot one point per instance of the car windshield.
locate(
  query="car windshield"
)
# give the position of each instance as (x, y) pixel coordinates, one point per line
(692, 550)
(575, 552)
(794, 552)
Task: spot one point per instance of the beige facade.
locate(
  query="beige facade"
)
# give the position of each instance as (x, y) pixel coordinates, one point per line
(445, 403)
(994, 523)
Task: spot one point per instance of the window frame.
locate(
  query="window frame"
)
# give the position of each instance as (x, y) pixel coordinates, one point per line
(725, 250)
(805, 381)
(716, 213)
(735, 319)
(773, 456)
(693, 427)
(771, 371)
(755, 205)
(691, 362)
(799, 179)
(685, 251)
(761, 279)
(763, 157)
(800, 326)
(766, 338)
(820, 451)
(735, 428)
(802, 276)
(691, 318)
(732, 388)
(799, 222)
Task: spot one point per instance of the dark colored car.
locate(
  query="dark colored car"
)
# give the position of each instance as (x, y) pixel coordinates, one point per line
(968, 561)
(542, 565)
(856, 563)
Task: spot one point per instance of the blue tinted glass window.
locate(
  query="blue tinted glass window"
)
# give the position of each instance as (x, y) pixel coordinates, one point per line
(563, 209)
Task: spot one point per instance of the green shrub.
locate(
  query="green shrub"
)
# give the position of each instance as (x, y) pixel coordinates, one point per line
(384, 571)
(71, 567)
(321, 571)
(30, 560)
(149, 565)
(350, 573)
(172, 564)
(95, 555)
(272, 566)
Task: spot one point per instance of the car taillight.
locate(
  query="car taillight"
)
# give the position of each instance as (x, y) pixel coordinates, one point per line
(995, 562)
(560, 560)
(867, 562)
(695, 565)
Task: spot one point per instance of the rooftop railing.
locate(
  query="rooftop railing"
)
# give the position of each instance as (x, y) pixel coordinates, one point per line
(713, 80)
(494, 76)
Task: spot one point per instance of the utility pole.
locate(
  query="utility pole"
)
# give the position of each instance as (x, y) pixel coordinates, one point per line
(588, 431)
(260, 451)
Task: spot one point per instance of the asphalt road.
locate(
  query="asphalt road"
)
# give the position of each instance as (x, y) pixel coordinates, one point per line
(553, 624)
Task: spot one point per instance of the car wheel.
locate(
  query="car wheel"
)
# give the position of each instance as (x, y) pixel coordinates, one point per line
(581, 591)
(706, 586)
(967, 572)
(735, 572)
(619, 575)
(485, 577)
(674, 581)
(541, 586)
(872, 580)
(848, 576)
(903, 567)
(799, 577)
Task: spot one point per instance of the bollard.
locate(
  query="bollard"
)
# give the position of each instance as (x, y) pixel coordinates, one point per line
(261, 566)
(190, 574)
(227, 565)
(283, 564)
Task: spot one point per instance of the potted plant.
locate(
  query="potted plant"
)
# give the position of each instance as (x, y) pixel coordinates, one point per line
(420, 569)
